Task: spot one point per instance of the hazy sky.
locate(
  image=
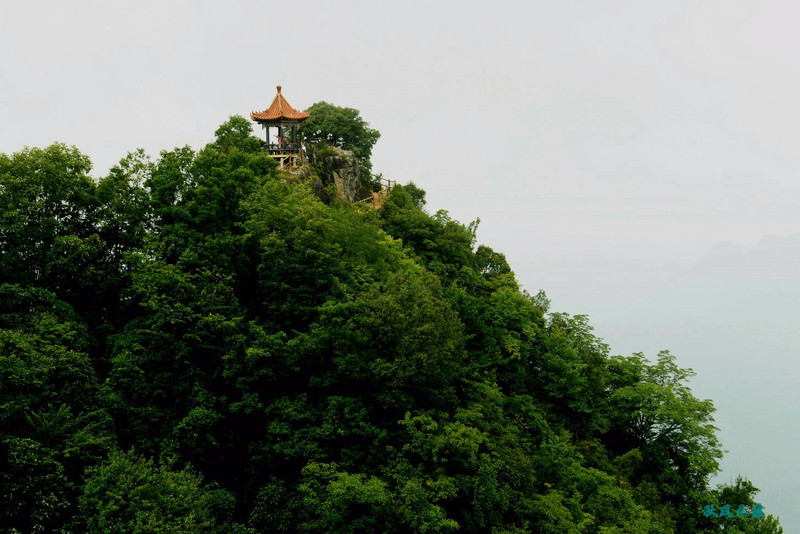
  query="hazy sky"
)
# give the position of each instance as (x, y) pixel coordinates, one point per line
(605, 146)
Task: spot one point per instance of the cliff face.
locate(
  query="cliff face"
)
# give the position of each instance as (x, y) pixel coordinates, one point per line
(335, 166)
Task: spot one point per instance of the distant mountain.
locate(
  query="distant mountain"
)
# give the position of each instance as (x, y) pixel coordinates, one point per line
(772, 256)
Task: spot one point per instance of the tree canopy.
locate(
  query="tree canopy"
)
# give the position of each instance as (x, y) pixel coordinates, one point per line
(195, 343)
(343, 128)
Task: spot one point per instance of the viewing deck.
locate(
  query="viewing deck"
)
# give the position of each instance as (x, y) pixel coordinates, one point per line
(289, 155)
(284, 149)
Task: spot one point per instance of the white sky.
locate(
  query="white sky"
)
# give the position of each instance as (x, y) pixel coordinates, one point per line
(604, 145)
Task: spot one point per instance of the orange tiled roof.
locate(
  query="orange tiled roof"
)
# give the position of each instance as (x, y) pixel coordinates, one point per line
(279, 109)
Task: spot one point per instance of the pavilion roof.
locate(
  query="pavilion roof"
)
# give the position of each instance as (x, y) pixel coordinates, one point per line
(278, 110)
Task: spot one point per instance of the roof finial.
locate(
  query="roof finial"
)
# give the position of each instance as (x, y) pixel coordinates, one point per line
(279, 89)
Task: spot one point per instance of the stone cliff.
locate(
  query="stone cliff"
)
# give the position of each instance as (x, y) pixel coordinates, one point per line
(330, 165)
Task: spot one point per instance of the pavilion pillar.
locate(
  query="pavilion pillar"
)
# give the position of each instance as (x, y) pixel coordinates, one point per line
(282, 116)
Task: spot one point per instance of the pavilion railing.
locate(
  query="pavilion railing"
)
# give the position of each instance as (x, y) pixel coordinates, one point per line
(275, 149)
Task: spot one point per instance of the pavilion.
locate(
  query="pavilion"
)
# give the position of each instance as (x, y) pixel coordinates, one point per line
(286, 147)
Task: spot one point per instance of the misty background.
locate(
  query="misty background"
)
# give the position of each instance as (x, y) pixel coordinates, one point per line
(637, 161)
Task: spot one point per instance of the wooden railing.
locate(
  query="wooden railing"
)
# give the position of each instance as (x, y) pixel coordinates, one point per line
(377, 198)
(388, 184)
(274, 149)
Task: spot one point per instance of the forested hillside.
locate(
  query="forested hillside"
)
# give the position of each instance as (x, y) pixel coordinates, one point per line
(197, 344)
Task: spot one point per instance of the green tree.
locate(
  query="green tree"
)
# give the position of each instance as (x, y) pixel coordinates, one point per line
(53, 421)
(400, 343)
(133, 495)
(309, 253)
(740, 492)
(343, 128)
(237, 132)
(332, 500)
(438, 242)
(324, 369)
(47, 215)
(653, 410)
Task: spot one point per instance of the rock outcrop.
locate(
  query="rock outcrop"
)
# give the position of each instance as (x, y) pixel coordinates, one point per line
(335, 166)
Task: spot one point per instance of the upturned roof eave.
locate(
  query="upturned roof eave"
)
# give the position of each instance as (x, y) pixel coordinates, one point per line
(279, 110)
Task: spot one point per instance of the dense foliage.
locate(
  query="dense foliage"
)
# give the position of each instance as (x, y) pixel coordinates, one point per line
(198, 344)
(343, 128)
